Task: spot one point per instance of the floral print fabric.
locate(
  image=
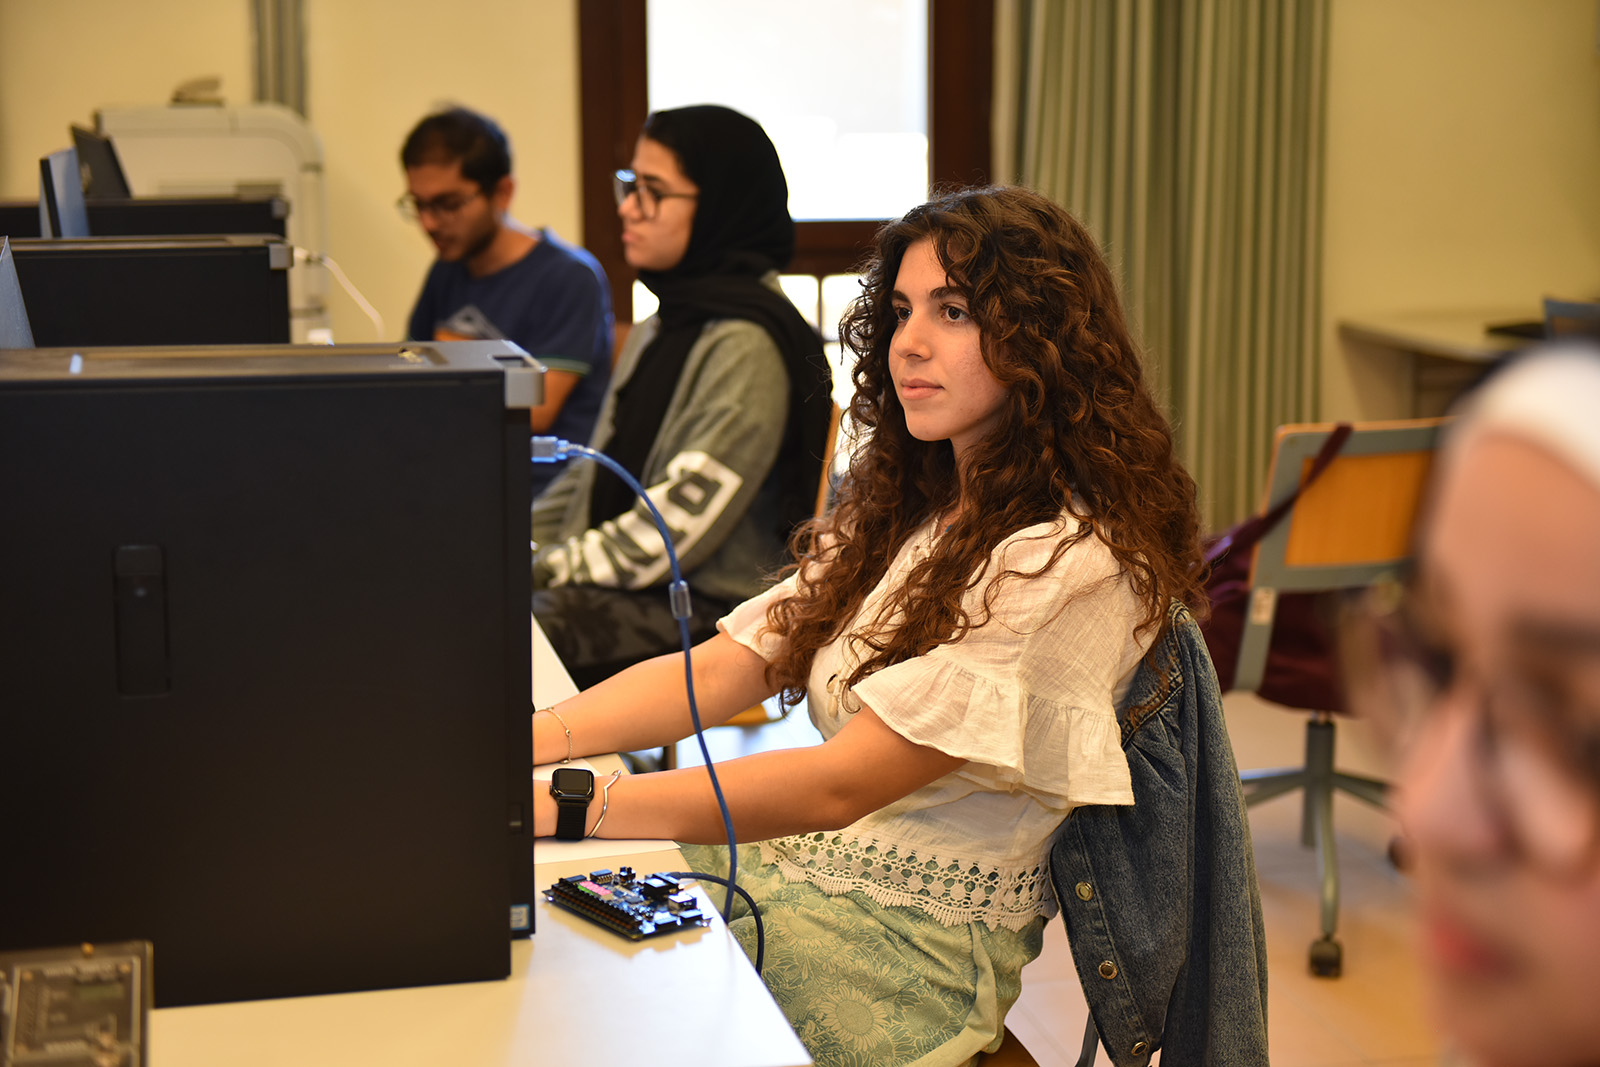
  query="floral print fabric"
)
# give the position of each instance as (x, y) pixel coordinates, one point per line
(869, 985)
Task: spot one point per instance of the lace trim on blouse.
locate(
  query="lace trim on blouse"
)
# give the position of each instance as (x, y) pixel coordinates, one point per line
(950, 891)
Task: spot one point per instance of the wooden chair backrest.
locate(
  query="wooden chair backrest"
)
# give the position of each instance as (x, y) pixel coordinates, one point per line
(1359, 514)
(1350, 528)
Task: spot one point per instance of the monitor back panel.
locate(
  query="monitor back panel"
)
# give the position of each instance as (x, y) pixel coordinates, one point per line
(285, 760)
(99, 158)
(61, 207)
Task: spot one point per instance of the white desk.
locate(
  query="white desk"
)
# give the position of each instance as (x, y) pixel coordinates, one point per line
(575, 990)
(1458, 336)
(1446, 350)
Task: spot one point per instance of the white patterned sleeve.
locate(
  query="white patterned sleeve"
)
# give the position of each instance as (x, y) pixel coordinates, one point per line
(747, 623)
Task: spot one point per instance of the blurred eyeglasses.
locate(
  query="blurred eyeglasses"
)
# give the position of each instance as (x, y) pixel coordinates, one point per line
(440, 207)
(1535, 752)
(624, 183)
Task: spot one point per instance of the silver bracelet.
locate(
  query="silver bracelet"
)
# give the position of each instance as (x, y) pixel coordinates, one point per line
(605, 801)
(565, 727)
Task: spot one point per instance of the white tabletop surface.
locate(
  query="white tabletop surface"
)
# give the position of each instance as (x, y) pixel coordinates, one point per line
(1453, 335)
(576, 992)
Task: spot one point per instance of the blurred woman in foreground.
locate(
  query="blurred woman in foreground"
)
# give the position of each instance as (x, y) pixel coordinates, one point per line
(1490, 666)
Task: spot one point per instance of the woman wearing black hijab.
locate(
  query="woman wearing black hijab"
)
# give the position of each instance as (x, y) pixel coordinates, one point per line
(719, 405)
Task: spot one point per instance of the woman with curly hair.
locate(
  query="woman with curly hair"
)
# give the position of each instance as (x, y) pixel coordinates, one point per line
(1004, 551)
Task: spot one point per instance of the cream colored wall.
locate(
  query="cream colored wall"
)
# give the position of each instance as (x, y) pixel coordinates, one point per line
(62, 59)
(1463, 150)
(374, 67)
(1463, 170)
(377, 66)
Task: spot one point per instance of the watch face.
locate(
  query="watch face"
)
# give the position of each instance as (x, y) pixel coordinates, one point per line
(572, 783)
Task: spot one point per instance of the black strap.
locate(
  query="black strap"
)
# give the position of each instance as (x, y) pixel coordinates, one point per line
(1247, 533)
(1091, 1044)
(572, 816)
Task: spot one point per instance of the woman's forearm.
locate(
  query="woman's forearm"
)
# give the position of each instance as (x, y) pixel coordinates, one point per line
(647, 705)
(771, 794)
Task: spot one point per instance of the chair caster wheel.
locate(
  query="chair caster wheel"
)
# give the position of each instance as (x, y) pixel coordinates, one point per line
(1327, 957)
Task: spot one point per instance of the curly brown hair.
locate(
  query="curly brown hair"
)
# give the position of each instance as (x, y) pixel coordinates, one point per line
(1079, 429)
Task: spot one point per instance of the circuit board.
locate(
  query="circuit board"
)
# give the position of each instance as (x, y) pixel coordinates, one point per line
(627, 904)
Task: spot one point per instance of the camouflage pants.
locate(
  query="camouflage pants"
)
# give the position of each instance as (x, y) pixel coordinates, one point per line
(598, 631)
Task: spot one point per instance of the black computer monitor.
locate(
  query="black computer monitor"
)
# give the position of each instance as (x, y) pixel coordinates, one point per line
(14, 329)
(264, 645)
(1571, 319)
(223, 289)
(98, 158)
(62, 212)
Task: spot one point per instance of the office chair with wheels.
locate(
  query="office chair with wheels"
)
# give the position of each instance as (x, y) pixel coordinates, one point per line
(1348, 529)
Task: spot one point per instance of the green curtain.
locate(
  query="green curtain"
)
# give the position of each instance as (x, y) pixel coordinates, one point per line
(1188, 136)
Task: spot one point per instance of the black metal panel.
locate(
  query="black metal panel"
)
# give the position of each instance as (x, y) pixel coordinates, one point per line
(155, 291)
(159, 215)
(315, 797)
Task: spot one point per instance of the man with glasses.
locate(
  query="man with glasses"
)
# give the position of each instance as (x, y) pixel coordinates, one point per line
(1486, 671)
(496, 278)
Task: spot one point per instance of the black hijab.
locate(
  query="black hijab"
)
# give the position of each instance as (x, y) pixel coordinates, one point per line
(741, 230)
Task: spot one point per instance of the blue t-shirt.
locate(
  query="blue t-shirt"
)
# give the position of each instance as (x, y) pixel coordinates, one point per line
(554, 302)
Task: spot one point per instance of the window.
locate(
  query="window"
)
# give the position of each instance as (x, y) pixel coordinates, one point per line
(615, 90)
(841, 87)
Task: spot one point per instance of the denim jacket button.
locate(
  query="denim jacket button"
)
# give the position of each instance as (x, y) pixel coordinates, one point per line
(1085, 891)
(1108, 970)
(1139, 1048)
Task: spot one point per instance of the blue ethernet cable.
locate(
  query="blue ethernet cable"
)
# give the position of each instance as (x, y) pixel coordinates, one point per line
(556, 450)
(755, 912)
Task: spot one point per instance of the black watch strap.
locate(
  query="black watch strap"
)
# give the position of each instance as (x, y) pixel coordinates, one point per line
(571, 814)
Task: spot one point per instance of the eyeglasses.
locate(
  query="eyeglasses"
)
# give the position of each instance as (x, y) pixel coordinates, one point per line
(624, 183)
(440, 207)
(1535, 742)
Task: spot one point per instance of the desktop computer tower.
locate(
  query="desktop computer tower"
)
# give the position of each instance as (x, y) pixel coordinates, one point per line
(147, 216)
(174, 290)
(264, 642)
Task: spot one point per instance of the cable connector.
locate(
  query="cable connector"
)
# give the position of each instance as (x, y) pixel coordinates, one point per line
(322, 259)
(551, 449)
(678, 597)
(554, 450)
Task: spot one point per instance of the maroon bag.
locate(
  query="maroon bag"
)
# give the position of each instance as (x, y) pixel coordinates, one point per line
(1302, 669)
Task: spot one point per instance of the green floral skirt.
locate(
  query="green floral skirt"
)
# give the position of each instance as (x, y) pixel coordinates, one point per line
(865, 985)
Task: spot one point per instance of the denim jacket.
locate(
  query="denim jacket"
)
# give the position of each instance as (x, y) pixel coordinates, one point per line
(1160, 899)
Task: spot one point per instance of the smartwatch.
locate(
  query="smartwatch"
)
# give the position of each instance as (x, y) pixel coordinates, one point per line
(573, 788)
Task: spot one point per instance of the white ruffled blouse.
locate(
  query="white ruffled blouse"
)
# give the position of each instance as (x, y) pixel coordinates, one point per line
(1027, 699)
